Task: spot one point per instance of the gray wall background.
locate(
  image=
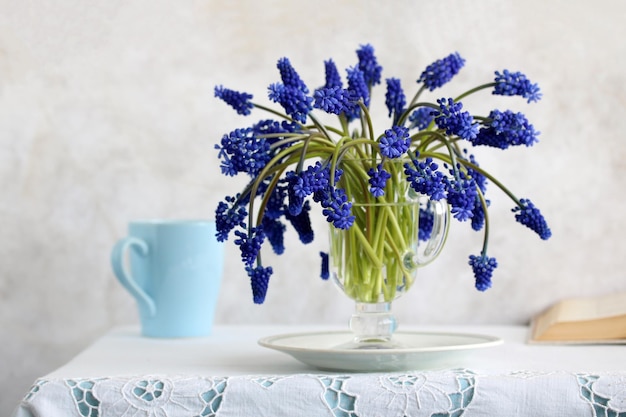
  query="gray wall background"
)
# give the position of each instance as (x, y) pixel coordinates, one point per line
(107, 114)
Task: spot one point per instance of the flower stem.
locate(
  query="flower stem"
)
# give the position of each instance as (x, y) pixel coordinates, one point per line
(473, 90)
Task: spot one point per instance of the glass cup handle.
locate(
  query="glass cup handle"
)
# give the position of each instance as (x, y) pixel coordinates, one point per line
(428, 251)
(123, 275)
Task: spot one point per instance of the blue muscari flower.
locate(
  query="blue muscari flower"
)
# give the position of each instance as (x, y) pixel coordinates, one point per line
(295, 101)
(505, 129)
(483, 267)
(319, 180)
(259, 280)
(265, 127)
(426, 223)
(313, 179)
(441, 71)
(481, 180)
(289, 76)
(455, 122)
(378, 180)
(295, 193)
(478, 215)
(425, 178)
(334, 100)
(337, 208)
(250, 244)
(298, 184)
(461, 196)
(421, 118)
(333, 79)
(358, 89)
(316, 178)
(302, 223)
(276, 202)
(395, 98)
(229, 215)
(241, 151)
(238, 101)
(530, 216)
(274, 231)
(325, 274)
(369, 65)
(516, 84)
(395, 142)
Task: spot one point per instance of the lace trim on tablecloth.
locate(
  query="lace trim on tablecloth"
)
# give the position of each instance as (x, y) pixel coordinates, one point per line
(452, 393)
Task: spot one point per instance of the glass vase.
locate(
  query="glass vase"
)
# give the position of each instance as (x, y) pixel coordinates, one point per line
(376, 260)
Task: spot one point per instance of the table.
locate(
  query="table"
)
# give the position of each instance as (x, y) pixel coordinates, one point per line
(229, 374)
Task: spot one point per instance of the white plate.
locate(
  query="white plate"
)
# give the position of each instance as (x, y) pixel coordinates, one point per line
(424, 350)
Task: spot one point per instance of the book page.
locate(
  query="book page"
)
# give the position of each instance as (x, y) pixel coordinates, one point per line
(580, 309)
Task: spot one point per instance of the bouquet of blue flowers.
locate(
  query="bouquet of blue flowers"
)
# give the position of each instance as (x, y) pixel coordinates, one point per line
(294, 159)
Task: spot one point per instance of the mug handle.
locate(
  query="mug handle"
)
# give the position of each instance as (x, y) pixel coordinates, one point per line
(125, 277)
(441, 224)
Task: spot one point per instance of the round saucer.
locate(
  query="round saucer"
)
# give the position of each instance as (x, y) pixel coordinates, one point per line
(423, 350)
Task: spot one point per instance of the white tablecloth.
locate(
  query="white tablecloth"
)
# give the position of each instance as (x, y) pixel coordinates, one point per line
(228, 374)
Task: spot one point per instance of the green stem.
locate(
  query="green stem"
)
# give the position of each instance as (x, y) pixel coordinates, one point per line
(366, 116)
(367, 247)
(417, 95)
(412, 107)
(493, 180)
(483, 204)
(274, 112)
(473, 90)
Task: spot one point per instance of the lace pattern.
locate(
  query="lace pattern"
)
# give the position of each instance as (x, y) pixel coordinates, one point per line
(450, 393)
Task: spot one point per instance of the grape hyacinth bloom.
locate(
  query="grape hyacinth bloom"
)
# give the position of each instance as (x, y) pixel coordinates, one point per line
(241, 151)
(290, 77)
(271, 127)
(294, 100)
(483, 267)
(337, 208)
(394, 98)
(441, 71)
(395, 142)
(462, 197)
(275, 232)
(316, 178)
(421, 118)
(334, 100)
(531, 217)
(478, 215)
(296, 192)
(259, 280)
(506, 129)
(237, 100)
(302, 223)
(378, 180)
(229, 215)
(292, 93)
(425, 178)
(358, 86)
(369, 65)
(516, 84)
(325, 273)
(455, 122)
(275, 202)
(426, 223)
(250, 244)
(333, 79)
(480, 179)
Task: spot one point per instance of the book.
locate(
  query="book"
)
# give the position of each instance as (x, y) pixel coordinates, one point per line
(600, 319)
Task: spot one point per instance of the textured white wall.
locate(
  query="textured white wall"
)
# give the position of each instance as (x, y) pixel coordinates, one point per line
(107, 114)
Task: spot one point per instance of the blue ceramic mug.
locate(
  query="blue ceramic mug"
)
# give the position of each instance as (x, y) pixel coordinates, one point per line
(175, 274)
